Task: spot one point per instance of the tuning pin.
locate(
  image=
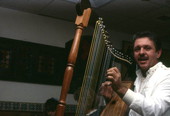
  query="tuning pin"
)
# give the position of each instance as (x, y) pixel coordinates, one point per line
(100, 18)
(108, 46)
(106, 40)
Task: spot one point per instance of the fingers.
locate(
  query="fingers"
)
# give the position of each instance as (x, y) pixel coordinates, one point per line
(113, 73)
(106, 90)
(105, 86)
(115, 69)
(106, 83)
(114, 77)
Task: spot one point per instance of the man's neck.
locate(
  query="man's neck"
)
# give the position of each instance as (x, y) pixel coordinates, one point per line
(144, 73)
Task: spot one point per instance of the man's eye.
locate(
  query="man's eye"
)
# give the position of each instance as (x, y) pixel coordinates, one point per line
(136, 49)
(147, 48)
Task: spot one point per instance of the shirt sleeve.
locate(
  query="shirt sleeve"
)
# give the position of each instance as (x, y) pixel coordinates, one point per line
(129, 97)
(155, 104)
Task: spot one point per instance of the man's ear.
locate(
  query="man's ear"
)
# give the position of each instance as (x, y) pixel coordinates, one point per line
(159, 52)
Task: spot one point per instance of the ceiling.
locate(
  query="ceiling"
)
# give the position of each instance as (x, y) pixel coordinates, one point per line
(128, 16)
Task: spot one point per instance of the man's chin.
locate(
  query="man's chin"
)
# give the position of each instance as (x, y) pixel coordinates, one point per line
(143, 67)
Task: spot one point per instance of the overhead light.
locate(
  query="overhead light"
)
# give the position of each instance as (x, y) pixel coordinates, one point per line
(94, 3)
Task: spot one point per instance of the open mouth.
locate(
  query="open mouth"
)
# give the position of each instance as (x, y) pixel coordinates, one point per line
(142, 60)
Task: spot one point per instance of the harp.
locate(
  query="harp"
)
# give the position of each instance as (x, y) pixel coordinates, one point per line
(101, 56)
(100, 46)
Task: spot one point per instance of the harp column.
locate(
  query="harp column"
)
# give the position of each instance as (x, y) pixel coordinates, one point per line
(81, 22)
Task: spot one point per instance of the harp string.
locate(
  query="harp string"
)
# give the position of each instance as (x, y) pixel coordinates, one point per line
(91, 73)
(107, 61)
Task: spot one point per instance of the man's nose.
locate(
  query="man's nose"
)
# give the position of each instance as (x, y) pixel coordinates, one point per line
(142, 51)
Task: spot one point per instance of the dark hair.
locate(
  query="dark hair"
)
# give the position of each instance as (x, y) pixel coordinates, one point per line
(152, 36)
(51, 104)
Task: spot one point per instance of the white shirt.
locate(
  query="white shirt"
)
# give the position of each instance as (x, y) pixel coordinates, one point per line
(151, 96)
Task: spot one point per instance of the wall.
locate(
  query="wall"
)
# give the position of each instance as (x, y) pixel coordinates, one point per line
(39, 29)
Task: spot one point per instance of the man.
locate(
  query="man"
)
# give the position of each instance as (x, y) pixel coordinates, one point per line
(151, 96)
(50, 106)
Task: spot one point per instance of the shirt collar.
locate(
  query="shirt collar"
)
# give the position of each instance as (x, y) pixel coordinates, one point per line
(150, 71)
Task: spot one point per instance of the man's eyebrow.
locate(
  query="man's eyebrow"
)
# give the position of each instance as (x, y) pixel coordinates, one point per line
(137, 46)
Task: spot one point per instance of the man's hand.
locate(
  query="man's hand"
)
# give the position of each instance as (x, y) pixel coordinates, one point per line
(113, 79)
(106, 91)
(114, 76)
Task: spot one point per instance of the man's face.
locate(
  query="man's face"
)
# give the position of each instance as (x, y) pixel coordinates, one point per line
(145, 53)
